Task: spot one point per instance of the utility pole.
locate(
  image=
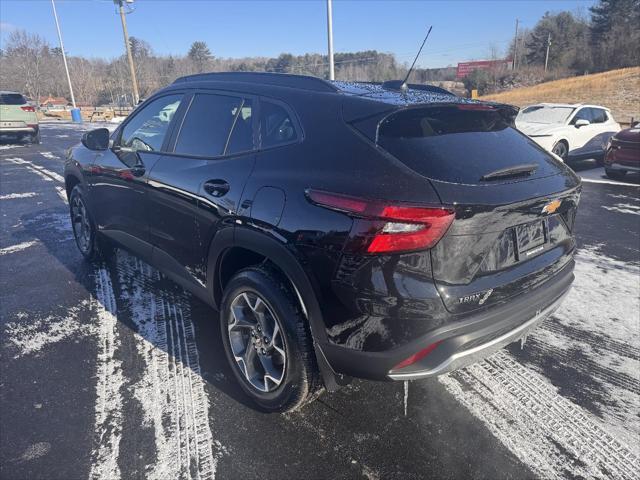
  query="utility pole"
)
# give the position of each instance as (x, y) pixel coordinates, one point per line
(134, 80)
(515, 48)
(546, 58)
(64, 55)
(332, 75)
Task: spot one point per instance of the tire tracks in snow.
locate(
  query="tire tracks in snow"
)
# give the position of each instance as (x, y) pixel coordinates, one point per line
(170, 389)
(110, 379)
(514, 396)
(555, 437)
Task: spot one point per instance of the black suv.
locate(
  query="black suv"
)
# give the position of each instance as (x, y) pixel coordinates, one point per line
(341, 229)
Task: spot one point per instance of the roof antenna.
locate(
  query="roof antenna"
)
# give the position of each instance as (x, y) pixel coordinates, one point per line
(404, 86)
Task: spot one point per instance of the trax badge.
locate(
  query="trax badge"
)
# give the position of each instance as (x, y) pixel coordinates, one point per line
(551, 207)
(480, 297)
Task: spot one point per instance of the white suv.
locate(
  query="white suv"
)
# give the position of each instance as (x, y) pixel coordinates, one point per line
(17, 117)
(572, 132)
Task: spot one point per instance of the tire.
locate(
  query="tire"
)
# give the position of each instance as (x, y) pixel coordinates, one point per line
(91, 244)
(260, 300)
(561, 149)
(615, 174)
(35, 138)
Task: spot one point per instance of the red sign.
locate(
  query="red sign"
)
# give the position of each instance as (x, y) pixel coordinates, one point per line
(465, 68)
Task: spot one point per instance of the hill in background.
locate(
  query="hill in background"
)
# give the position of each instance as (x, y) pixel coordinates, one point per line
(615, 89)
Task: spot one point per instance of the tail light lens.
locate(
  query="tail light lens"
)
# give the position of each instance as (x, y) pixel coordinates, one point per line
(28, 108)
(387, 228)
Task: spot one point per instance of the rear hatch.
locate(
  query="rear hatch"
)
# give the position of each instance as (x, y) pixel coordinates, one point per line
(12, 113)
(515, 203)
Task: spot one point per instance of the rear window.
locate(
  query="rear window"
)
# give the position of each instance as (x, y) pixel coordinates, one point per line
(12, 99)
(460, 144)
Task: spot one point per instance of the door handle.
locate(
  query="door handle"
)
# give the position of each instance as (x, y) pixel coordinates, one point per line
(216, 188)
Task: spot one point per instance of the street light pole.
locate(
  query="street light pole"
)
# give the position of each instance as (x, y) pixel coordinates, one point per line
(134, 80)
(332, 75)
(64, 55)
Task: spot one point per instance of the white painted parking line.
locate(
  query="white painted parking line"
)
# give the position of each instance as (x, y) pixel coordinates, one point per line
(44, 173)
(597, 175)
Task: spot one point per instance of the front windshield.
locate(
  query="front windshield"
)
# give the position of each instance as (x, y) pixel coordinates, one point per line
(545, 114)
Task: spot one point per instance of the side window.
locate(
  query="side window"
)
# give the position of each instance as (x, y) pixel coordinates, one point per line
(583, 114)
(598, 115)
(276, 126)
(241, 139)
(206, 126)
(147, 129)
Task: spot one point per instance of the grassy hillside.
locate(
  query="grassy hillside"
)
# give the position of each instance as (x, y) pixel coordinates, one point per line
(618, 90)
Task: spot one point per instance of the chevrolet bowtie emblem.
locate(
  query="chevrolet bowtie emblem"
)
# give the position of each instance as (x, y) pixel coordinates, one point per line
(551, 207)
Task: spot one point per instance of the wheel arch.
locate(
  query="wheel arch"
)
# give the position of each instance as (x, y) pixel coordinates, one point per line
(244, 247)
(70, 181)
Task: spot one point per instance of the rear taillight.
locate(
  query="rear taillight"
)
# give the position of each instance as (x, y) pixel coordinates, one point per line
(28, 108)
(387, 228)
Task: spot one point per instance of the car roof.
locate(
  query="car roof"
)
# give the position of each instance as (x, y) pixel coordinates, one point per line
(568, 105)
(388, 92)
(4, 92)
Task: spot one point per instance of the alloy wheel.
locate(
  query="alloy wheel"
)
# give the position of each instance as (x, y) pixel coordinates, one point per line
(257, 342)
(81, 224)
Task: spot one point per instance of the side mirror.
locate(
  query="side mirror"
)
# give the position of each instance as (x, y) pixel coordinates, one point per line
(582, 123)
(97, 139)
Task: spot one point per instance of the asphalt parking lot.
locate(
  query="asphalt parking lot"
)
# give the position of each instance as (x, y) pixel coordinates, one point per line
(111, 371)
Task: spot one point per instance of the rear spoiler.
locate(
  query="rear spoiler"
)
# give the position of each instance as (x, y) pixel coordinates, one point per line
(368, 114)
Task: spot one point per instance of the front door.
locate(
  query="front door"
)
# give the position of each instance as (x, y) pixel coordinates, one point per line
(199, 183)
(118, 179)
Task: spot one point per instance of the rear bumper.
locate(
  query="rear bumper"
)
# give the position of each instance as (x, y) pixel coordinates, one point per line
(25, 129)
(462, 341)
(468, 355)
(623, 167)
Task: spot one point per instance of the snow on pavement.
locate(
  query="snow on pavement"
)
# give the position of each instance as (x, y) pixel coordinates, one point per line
(517, 401)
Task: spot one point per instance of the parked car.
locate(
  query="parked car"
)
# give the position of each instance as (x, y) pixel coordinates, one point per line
(341, 229)
(573, 132)
(623, 153)
(18, 117)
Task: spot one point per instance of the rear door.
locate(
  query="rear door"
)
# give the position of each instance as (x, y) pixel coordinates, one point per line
(197, 185)
(118, 179)
(514, 203)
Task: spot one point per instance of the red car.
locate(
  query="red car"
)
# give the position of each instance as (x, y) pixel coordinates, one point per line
(623, 153)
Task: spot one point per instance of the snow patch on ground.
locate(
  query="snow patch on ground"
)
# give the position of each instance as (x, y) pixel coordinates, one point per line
(50, 155)
(171, 389)
(11, 196)
(108, 408)
(553, 436)
(30, 336)
(18, 247)
(623, 208)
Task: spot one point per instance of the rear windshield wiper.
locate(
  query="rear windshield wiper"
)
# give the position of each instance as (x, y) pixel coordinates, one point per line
(515, 171)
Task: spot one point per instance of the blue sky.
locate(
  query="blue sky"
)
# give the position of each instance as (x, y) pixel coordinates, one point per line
(462, 30)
